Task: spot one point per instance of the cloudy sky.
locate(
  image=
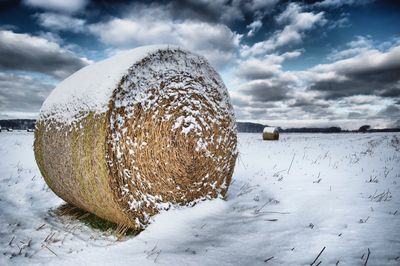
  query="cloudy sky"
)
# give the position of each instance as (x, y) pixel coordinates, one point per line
(285, 63)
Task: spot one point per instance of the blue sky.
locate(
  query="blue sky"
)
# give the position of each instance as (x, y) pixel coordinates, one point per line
(285, 63)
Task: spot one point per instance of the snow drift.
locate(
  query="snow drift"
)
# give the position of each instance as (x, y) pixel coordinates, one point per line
(141, 132)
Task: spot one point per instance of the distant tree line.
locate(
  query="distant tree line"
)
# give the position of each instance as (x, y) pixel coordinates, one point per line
(313, 130)
(247, 127)
(17, 124)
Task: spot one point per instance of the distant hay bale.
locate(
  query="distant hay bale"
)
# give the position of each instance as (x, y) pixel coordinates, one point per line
(270, 133)
(143, 131)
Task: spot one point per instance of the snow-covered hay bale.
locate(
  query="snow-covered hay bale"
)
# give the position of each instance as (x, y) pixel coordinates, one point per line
(143, 131)
(270, 133)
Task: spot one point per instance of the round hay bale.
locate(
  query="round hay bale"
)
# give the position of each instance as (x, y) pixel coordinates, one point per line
(143, 131)
(270, 133)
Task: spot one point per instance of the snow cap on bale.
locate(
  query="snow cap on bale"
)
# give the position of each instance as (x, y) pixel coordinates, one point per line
(146, 130)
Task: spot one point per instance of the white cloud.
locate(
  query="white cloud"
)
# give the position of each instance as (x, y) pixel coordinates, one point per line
(153, 26)
(265, 82)
(362, 88)
(50, 36)
(360, 45)
(59, 22)
(342, 22)
(339, 3)
(266, 67)
(254, 27)
(31, 53)
(296, 23)
(371, 72)
(371, 61)
(68, 6)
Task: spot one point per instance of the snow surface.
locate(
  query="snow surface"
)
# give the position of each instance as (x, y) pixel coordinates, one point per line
(90, 88)
(269, 129)
(288, 200)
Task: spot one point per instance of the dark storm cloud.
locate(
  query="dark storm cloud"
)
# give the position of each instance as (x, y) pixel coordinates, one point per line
(314, 107)
(318, 111)
(239, 101)
(266, 91)
(236, 101)
(304, 102)
(390, 111)
(253, 73)
(266, 81)
(31, 53)
(22, 93)
(355, 115)
(333, 89)
(7, 4)
(212, 11)
(372, 73)
(220, 10)
(391, 92)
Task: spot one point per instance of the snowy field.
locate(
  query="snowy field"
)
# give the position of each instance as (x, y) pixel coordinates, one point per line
(289, 199)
